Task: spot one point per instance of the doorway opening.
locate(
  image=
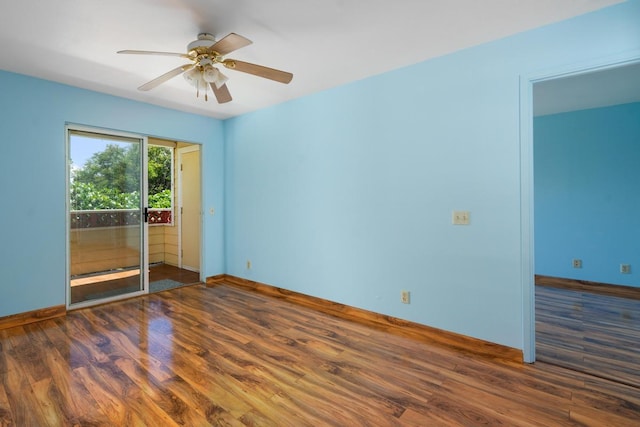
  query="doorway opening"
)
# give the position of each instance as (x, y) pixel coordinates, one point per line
(125, 215)
(175, 244)
(585, 305)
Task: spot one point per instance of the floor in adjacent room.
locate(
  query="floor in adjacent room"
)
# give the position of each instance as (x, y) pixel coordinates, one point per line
(589, 332)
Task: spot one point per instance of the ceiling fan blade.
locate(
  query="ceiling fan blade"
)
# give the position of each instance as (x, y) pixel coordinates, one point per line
(149, 52)
(166, 76)
(229, 43)
(222, 94)
(259, 70)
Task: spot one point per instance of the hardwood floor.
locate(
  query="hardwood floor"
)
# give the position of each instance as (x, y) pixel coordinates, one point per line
(120, 283)
(201, 356)
(166, 271)
(589, 332)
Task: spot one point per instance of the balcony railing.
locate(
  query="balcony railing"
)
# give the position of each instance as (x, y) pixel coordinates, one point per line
(117, 218)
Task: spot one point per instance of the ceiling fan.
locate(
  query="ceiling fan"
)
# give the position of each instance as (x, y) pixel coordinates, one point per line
(205, 54)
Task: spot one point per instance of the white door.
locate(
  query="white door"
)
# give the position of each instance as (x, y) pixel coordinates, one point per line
(190, 207)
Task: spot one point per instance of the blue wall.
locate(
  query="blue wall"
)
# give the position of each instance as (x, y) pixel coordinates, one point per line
(587, 200)
(347, 194)
(33, 114)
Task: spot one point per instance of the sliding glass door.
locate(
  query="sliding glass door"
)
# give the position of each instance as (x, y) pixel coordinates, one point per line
(107, 216)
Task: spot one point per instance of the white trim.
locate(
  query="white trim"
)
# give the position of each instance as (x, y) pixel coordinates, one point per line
(67, 221)
(144, 203)
(526, 220)
(526, 180)
(144, 229)
(91, 303)
(180, 152)
(178, 216)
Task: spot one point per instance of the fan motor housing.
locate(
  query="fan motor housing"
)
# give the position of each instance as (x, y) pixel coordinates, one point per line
(205, 40)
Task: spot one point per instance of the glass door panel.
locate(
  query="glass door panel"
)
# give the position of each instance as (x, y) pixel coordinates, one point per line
(106, 216)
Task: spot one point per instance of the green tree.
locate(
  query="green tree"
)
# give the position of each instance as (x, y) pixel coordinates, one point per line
(161, 200)
(110, 179)
(159, 169)
(85, 196)
(115, 168)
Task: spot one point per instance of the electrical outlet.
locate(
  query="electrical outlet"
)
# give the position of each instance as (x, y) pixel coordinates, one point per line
(404, 297)
(625, 268)
(248, 265)
(577, 263)
(460, 217)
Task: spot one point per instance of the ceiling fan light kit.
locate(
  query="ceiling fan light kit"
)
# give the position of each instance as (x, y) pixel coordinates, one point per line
(203, 78)
(201, 73)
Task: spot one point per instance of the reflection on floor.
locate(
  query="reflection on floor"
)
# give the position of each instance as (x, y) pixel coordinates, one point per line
(106, 277)
(121, 282)
(589, 332)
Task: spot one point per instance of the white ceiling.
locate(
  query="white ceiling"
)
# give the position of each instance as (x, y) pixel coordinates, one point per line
(620, 85)
(324, 43)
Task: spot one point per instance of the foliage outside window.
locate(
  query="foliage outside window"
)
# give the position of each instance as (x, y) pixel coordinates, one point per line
(108, 180)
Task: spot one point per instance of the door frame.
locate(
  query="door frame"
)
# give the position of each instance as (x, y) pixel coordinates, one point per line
(144, 229)
(526, 180)
(180, 151)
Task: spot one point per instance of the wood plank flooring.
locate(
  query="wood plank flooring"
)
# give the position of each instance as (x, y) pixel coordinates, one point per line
(121, 283)
(594, 333)
(166, 271)
(200, 356)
